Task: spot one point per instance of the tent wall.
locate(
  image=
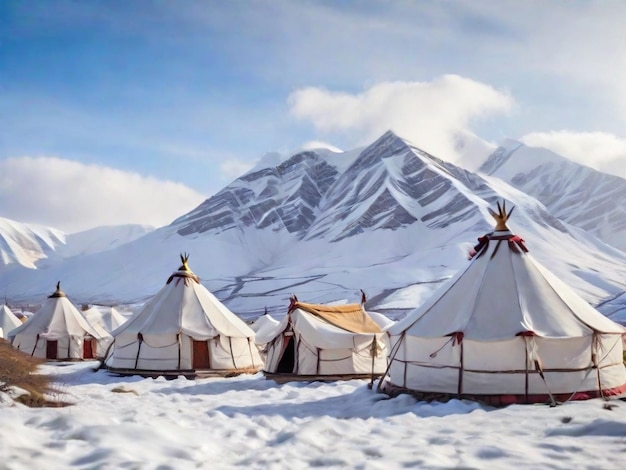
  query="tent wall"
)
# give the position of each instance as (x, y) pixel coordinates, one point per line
(443, 365)
(233, 353)
(413, 366)
(164, 353)
(154, 352)
(102, 346)
(67, 347)
(310, 360)
(274, 352)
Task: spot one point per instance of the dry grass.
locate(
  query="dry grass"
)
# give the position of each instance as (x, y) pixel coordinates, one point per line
(19, 370)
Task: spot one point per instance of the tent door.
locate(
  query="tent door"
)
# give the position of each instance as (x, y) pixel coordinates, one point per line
(200, 355)
(52, 348)
(88, 348)
(287, 360)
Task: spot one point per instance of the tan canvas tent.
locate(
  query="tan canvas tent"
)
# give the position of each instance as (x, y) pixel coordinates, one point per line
(59, 331)
(504, 330)
(8, 321)
(317, 341)
(183, 329)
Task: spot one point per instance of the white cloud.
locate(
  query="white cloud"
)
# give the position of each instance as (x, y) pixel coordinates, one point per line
(430, 114)
(72, 196)
(599, 150)
(231, 169)
(318, 144)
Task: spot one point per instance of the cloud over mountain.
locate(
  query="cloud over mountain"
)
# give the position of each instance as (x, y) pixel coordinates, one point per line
(431, 113)
(73, 196)
(600, 150)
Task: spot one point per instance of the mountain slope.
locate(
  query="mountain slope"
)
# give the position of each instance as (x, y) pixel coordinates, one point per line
(101, 239)
(390, 219)
(284, 197)
(576, 194)
(25, 244)
(34, 246)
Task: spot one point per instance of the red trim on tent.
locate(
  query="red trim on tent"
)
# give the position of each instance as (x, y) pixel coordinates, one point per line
(516, 243)
(519, 241)
(504, 399)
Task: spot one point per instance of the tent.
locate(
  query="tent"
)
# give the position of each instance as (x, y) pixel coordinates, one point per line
(108, 318)
(324, 341)
(182, 330)
(265, 323)
(264, 328)
(505, 330)
(8, 321)
(59, 331)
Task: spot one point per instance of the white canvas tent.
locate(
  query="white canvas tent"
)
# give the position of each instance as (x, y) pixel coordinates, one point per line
(384, 322)
(504, 330)
(183, 329)
(264, 328)
(59, 331)
(8, 321)
(108, 318)
(316, 341)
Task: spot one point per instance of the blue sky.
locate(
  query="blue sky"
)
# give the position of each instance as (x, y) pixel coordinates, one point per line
(137, 111)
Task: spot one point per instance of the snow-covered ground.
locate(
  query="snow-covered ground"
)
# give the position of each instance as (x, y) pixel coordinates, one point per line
(251, 422)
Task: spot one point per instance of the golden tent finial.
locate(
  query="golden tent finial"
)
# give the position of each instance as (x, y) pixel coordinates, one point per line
(501, 216)
(184, 271)
(184, 257)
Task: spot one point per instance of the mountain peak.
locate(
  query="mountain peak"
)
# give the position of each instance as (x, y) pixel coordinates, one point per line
(574, 193)
(284, 197)
(390, 218)
(513, 157)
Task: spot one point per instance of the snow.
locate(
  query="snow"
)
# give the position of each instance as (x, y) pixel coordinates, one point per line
(391, 220)
(25, 244)
(251, 422)
(102, 238)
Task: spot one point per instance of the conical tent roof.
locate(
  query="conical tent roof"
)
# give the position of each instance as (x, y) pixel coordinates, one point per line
(57, 318)
(185, 305)
(184, 327)
(108, 318)
(506, 329)
(8, 321)
(504, 292)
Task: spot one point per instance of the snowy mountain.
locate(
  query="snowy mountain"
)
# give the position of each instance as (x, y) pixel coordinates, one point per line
(576, 194)
(101, 239)
(25, 244)
(390, 219)
(34, 246)
(284, 197)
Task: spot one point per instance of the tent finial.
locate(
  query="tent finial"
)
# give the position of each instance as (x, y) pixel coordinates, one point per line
(501, 216)
(293, 300)
(58, 292)
(184, 257)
